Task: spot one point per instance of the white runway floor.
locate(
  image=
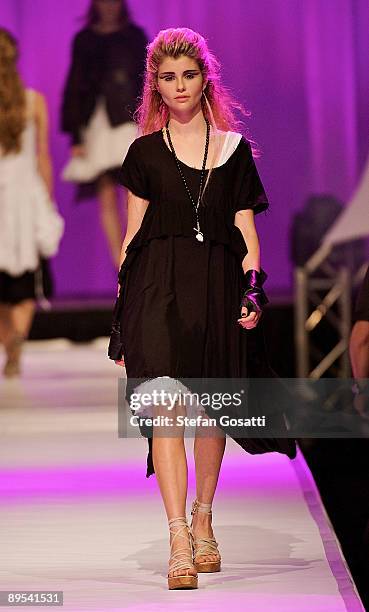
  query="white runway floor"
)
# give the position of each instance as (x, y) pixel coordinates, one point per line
(78, 514)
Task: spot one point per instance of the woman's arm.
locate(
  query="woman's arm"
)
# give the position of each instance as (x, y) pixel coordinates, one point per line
(244, 220)
(359, 349)
(136, 208)
(42, 135)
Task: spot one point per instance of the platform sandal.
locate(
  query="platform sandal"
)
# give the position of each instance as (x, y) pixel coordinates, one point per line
(181, 559)
(204, 546)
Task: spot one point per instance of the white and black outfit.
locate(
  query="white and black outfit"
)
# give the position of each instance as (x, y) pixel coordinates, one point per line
(100, 94)
(27, 235)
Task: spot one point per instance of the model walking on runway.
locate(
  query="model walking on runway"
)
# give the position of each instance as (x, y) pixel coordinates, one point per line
(30, 226)
(100, 92)
(193, 191)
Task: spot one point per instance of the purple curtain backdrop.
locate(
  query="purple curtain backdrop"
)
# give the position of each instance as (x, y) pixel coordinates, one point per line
(300, 68)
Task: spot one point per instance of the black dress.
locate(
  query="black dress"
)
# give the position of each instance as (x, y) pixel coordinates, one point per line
(180, 298)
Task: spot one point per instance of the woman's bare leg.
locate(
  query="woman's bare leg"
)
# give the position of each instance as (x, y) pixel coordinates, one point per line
(19, 320)
(109, 216)
(6, 331)
(209, 448)
(22, 316)
(170, 463)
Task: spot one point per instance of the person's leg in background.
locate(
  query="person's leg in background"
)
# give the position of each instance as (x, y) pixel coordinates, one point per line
(15, 324)
(21, 316)
(109, 215)
(5, 324)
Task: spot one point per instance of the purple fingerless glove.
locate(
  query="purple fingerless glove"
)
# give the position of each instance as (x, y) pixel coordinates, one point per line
(254, 297)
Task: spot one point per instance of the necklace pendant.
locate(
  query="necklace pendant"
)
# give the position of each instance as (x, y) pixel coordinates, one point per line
(199, 235)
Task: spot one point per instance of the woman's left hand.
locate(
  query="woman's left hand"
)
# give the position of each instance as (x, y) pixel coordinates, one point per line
(250, 320)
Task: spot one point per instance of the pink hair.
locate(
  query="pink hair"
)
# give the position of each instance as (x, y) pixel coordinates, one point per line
(218, 105)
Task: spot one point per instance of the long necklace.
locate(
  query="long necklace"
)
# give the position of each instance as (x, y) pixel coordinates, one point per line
(199, 234)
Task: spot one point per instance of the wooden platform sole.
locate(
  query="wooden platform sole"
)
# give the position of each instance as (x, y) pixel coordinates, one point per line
(182, 582)
(207, 567)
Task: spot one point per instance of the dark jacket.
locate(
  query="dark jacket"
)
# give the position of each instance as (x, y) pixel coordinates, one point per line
(108, 65)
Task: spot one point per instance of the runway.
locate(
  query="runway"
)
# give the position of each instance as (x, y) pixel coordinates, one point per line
(78, 514)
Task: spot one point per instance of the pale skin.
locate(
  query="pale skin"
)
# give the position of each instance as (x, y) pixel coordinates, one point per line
(359, 355)
(17, 319)
(181, 76)
(359, 349)
(109, 11)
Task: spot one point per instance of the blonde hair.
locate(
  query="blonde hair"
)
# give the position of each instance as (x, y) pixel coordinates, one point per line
(12, 96)
(218, 105)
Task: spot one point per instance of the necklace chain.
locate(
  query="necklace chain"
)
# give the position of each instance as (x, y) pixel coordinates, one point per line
(199, 234)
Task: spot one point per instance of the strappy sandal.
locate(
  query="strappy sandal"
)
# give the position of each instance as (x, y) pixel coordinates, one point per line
(181, 559)
(204, 546)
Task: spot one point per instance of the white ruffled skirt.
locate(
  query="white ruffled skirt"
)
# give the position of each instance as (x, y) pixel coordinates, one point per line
(30, 225)
(105, 147)
(165, 391)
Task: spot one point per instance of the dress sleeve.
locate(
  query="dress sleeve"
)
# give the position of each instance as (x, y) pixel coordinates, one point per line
(133, 174)
(248, 190)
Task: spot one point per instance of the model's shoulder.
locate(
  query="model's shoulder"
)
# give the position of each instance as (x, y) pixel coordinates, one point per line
(237, 136)
(241, 143)
(147, 141)
(234, 137)
(231, 139)
(234, 146)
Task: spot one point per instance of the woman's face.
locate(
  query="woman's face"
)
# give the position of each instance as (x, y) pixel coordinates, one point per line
(108, 10)
(180, 83)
